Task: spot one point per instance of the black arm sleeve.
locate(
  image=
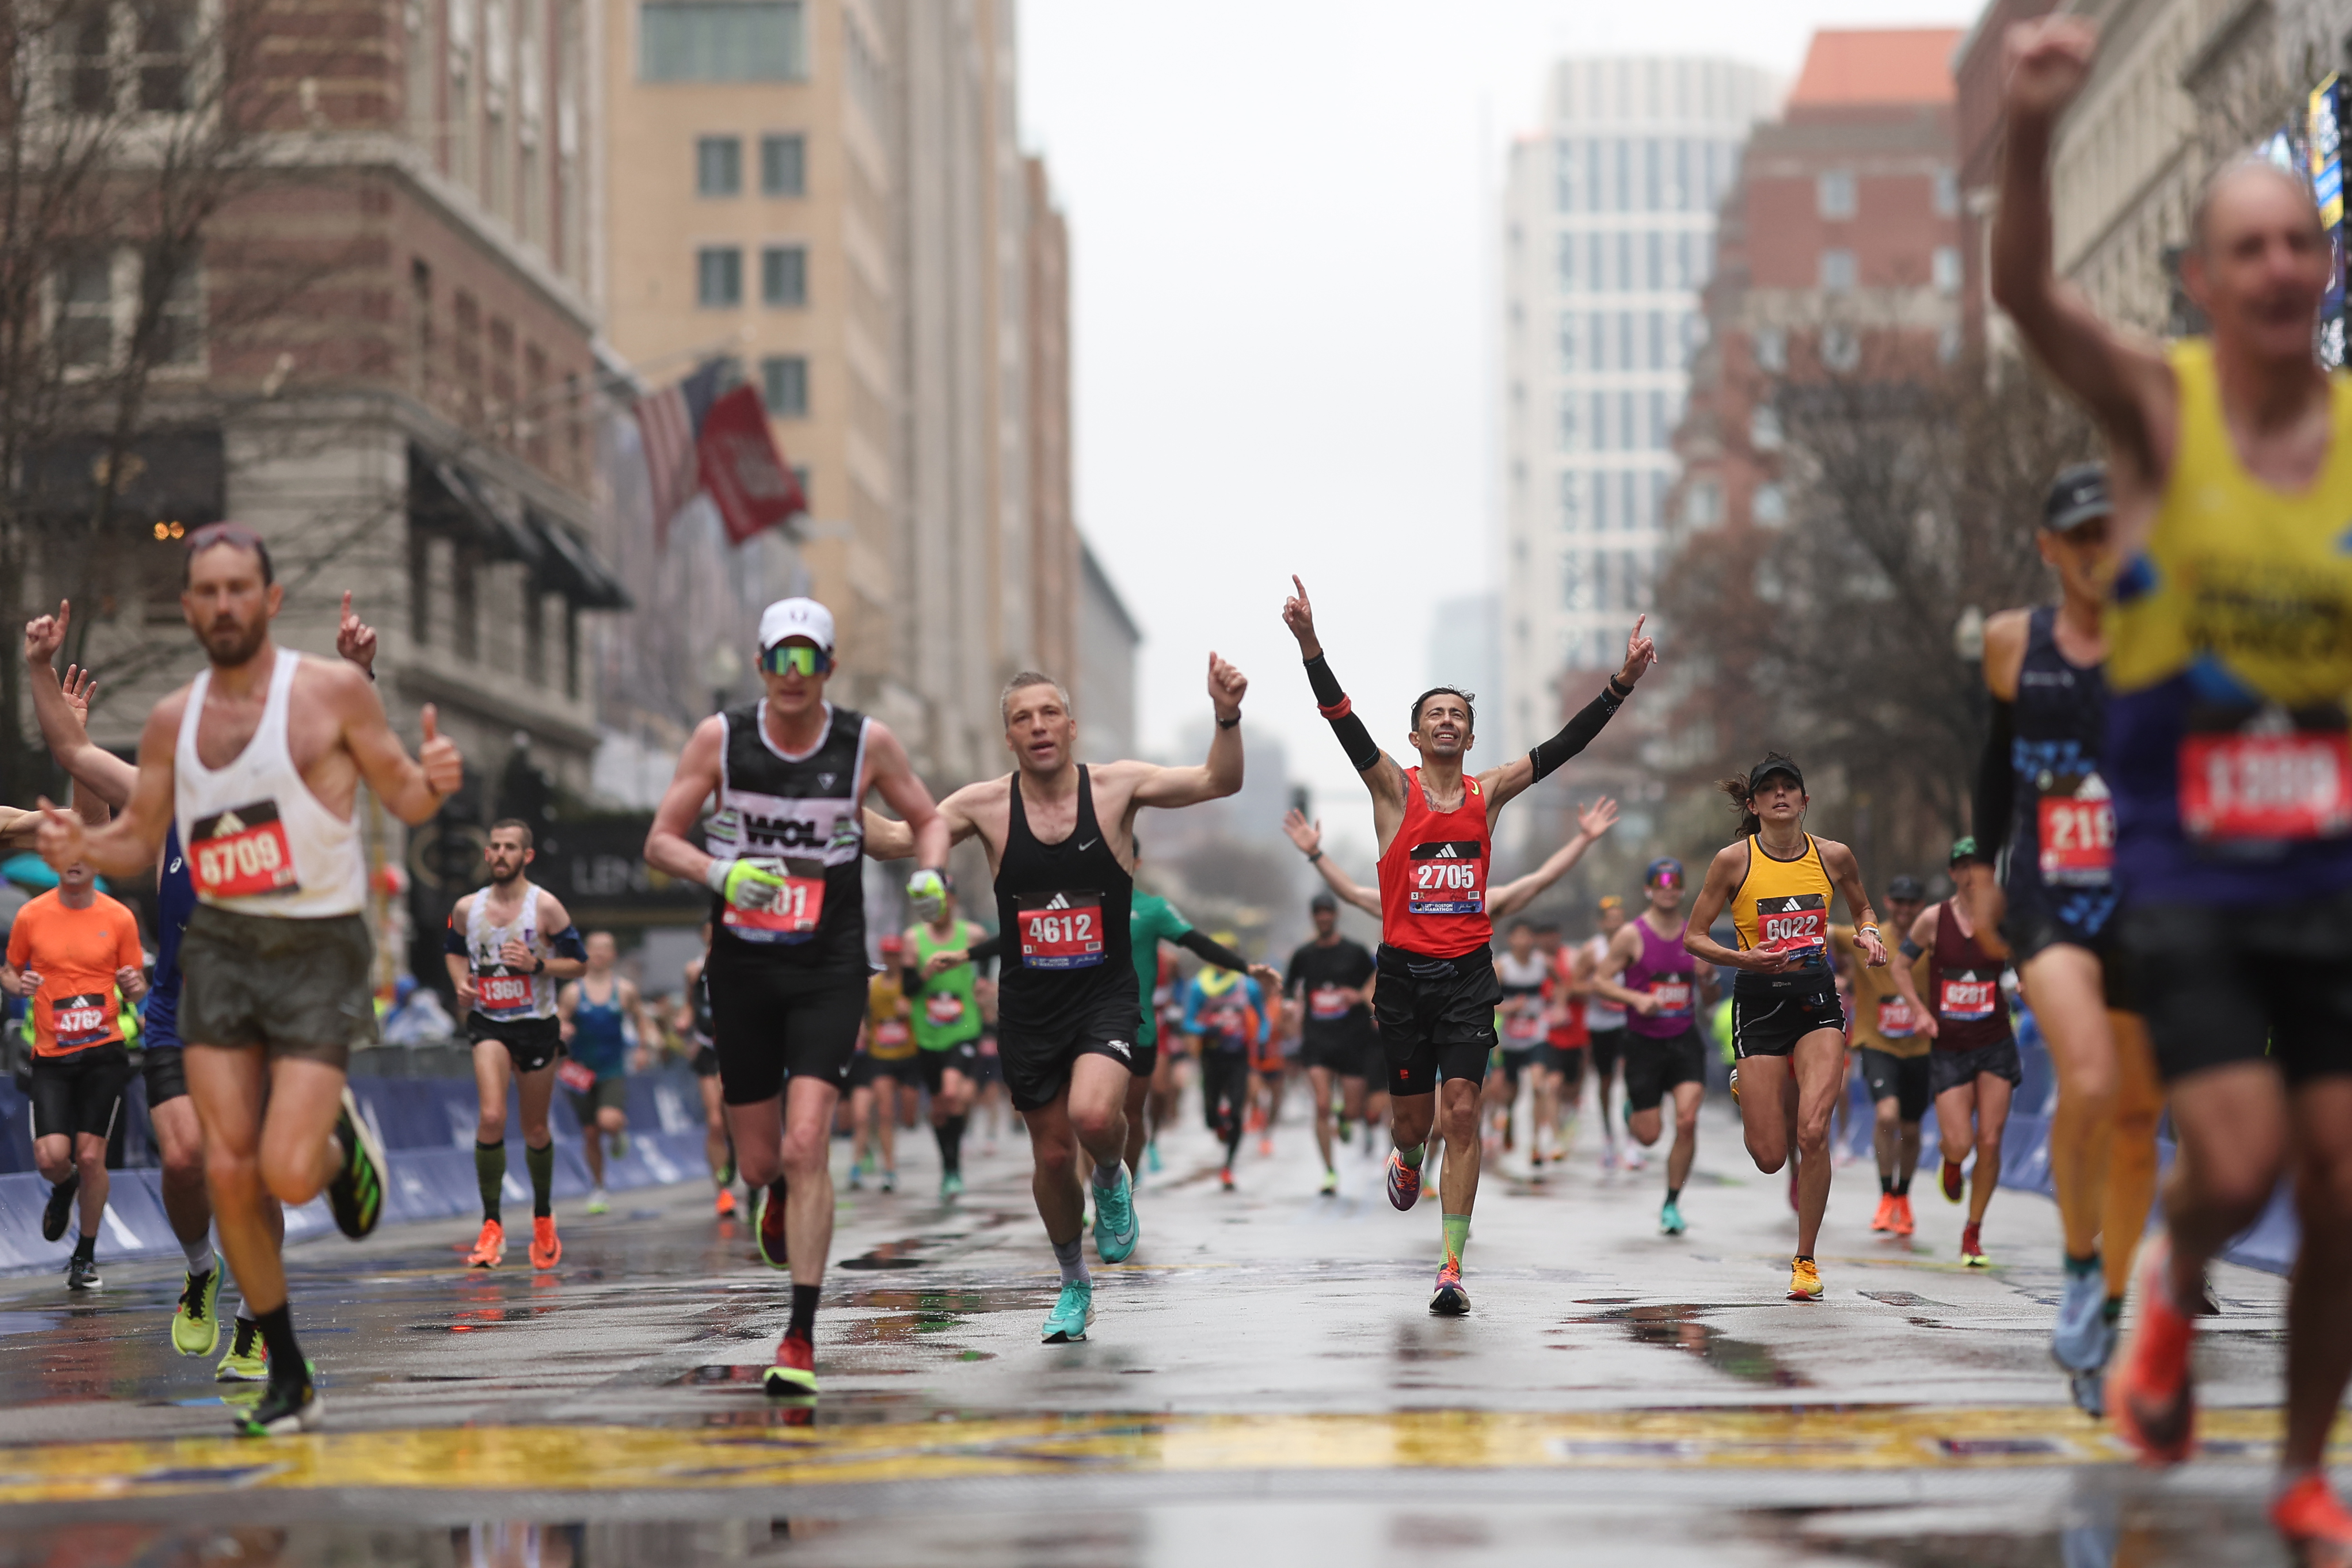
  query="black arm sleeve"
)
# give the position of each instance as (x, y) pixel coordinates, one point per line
(1996, 782)
(1354, 738)
(1215, 953)
(986, 949)
(910, 980)
(1575, 734)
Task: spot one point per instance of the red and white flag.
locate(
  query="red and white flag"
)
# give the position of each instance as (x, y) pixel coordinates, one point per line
(669, 422)
(747, 476)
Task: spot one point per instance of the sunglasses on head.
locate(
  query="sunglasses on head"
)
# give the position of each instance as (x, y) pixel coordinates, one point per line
(787, 659)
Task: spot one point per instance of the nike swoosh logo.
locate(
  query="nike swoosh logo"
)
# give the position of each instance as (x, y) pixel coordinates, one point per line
(1089, 845)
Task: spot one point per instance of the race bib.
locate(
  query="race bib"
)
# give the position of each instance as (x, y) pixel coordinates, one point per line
(2275, 779)
(1326, 1003)
(889, 1035)
(1523, 1022)
(2078, 822)
(1966, 998)
(1061, 931)
(79, 1021)
(577, 1077)
(504, 994)
(1448, 879)
(943, 1008)
(1674, 998)
(1898, 1019)
(1798, 923)
(796, 912)
(237, 853)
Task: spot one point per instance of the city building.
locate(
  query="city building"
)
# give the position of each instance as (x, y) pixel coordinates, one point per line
(1609, 218)
(1102, 682)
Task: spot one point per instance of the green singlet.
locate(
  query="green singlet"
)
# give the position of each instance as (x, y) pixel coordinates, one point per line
(1151, 921)
(946, 1011)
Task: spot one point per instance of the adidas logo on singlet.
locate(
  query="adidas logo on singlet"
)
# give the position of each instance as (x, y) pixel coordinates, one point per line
(227, 824)
(1446, 852)
(1058, 901)
(1791, 905)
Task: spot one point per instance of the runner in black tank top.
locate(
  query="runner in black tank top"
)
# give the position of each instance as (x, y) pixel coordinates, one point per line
(2044, 813)
(1068, 987)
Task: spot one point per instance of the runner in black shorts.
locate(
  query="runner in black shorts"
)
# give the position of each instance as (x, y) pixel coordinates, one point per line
(787, 969)
(1604, 1022)
(1893, 1054)
(1060, 841)
(1437, 988)
(1329, 979)
(1650, 975)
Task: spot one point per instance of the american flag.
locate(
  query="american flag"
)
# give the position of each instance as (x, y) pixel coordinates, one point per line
(671, 421)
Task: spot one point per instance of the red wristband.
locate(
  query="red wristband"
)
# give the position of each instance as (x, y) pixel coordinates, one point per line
(1338, 709)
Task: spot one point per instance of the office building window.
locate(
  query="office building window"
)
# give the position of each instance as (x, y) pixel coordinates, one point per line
(1571, 341)
(1567, 169)
(1771, 346)
(783, 166)
(717, 276)
(1569, 245)
(784, 386)
(1702, 504)
(1947, 269)
(1571, 501)
(717, 166)
(1837, 270)
(1764, 429)
(1571, 423)
(1948, 192)
(784, 275)
(1770, 506)
(1834, 193)
(1841, 348)
(721, 40)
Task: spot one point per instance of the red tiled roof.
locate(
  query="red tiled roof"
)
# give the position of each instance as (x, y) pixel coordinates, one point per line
(1889, 65)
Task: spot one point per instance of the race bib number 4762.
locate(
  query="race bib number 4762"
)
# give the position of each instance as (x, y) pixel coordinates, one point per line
(237, 853)
(1061, 931)
(1448, 879)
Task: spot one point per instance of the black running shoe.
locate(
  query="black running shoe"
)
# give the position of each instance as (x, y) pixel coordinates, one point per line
(60, 1209)
(356, 1193)
(285, 1408)
(81, 1273)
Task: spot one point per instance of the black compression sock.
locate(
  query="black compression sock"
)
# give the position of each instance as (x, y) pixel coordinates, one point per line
(1903, 1185)
(540, 1163)
(1886, 1186)
(951, 1134)
(1804, 1258)
(803, 1312)
(285, 1354)
(1674, 1194)
(85, 1247)
(491, 1174)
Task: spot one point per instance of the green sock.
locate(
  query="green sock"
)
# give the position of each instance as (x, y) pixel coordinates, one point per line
(541, 1163)
(1413, 1156)
(2081, 1267)
(489, 1175)
(1457, 1236)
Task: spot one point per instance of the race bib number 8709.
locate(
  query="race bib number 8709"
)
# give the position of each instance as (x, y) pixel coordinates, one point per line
(237, 853)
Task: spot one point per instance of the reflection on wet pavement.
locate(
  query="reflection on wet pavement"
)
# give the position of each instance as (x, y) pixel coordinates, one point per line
(1680, 1327)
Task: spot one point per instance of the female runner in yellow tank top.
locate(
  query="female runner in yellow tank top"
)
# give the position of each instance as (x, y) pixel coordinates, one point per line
(1786, 1023)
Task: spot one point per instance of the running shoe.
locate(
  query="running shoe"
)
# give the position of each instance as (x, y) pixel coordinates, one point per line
(1449, 1300)
(81, 1273)
(1609, 1156)
(1884, 1219)
(60, 1207)
(1634, 1159)
(1116, 1229)
(2083, 1338)
(2150, 1395)
(2089, 1392)
(1266, 1147)
(725, 1174)
(768, 1219)
(1670, 1219)
(1225, 1178)
(1330, 1182)
(1733, 1084)
(1804, 1279)
(1074, 1312)
(546, 1251)
(725, 1203)
(1345, 1129)
(356, 1193)
(195, 1322)
(1151, 1155)
(2313, 1524)
(621, 1144)
(598, 1203)
(285, 1409)
(1405, 1182)
(1953, 1190)
(856, 1175)
(489, 1247)
(248, 1360)
(1905, 1224)
(794, 1372)
(950, 1185)
(1972, 1252)
(889, 1179)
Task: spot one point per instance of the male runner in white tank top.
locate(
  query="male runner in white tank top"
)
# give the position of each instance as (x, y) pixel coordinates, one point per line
(260, 759)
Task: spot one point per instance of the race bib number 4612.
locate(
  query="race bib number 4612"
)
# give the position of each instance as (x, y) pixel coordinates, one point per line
(1448, 879)
(1798, 923)
(237, 853)
(1061, 931)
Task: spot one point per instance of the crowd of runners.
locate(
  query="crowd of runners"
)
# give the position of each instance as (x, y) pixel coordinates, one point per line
(2159, 871)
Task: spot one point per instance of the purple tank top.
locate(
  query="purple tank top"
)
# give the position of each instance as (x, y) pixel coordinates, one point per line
(1668, 972)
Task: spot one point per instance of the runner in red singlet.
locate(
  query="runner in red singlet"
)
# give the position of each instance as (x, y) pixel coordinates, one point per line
(1435, 987)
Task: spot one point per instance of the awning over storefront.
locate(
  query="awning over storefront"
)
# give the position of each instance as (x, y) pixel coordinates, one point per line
(441, 493)
(571, 567)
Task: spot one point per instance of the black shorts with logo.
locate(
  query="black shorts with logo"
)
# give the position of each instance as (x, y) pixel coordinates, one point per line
(2223, 984)
(1436, 1017)
(963, 1057)
(1772, 1024)
(1950, 1070)
(1903, 1079)
(772, 1019)
(532, 1044)
(1037, 1060)
(80, 1092)
(1655, 1069)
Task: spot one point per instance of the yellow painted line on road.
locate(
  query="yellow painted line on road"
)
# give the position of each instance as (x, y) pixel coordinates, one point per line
(606, 1458)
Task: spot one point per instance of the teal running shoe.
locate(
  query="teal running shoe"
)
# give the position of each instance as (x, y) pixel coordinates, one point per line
(1115, 1225)
(1151, 1156)
(2084, 1339)
(950, 1185)
(1071, 1314)
(1670, 1219)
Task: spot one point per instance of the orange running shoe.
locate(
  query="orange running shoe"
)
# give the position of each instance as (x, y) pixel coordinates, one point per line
(1884, 1218)
(546, 1251)
(489, 1247)
(1904, 1224)
(726, 1202)
(2149, 1395)
(794, 1373)
(2313, 1524)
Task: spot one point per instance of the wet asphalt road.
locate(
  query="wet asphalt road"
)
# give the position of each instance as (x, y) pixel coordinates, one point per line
(1264, 1378)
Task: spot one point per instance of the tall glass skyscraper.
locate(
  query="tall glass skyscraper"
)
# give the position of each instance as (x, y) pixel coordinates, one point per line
(1609, 234)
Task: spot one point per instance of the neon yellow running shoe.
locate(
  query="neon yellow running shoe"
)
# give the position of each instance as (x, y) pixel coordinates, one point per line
(248, 1360)
(195, 1322)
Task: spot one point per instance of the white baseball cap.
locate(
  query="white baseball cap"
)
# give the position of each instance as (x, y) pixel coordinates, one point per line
(796, 619)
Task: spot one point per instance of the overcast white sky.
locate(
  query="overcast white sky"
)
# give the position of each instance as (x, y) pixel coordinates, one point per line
(1281, 217)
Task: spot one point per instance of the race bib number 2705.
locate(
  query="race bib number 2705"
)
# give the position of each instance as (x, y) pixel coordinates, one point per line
(1448, 879)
